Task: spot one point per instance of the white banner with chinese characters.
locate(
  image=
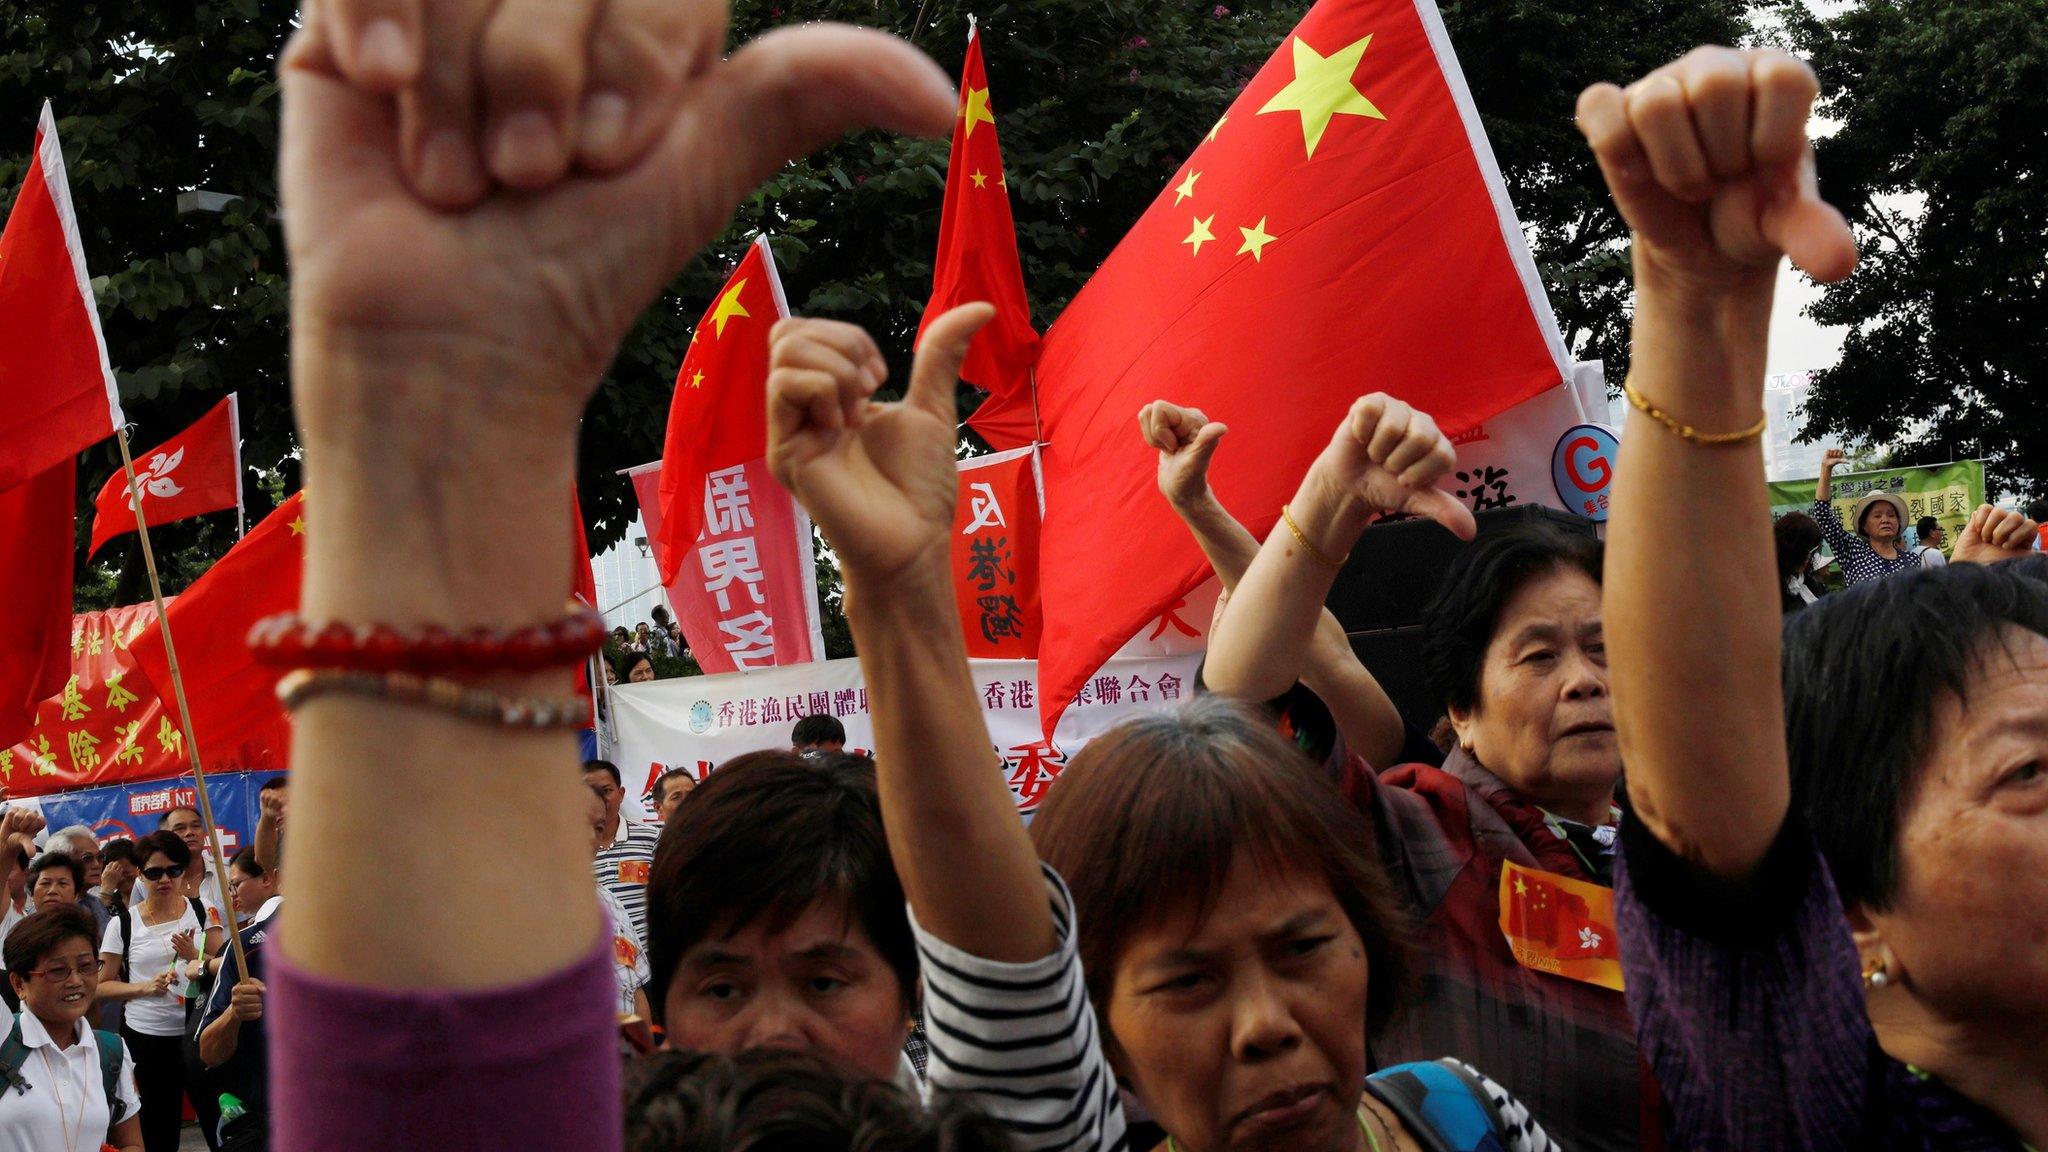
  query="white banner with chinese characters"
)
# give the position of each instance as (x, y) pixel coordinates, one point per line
(1505, 462)
(699, 722)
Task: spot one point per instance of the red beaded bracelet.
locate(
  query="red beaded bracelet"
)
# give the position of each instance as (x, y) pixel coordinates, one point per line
(286, 641)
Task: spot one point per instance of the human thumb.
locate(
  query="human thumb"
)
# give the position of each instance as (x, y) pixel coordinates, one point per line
(1809, 229)
(796, 89)
(1204, 444)
(1445, 509)
(936, 369)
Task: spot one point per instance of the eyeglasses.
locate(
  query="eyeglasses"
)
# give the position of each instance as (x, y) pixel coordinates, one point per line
(59, 973)
(174, 871)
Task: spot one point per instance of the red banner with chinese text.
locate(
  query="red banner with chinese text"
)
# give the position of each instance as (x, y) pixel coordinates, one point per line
(109, 726)
(746, 595)
(995, 554)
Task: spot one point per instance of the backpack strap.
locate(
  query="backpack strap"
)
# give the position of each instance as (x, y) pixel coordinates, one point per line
(127, 938)
(1444, 1107)
(110, 1069)
(12, 1053)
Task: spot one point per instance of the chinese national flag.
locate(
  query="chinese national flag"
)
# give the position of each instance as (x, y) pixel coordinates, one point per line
(719, 415)
(197, 471)
(37, 533)
(1560, 925)
(232, 697)
(995, 554)
(56, 388)
(1342, 229)
(977, 260)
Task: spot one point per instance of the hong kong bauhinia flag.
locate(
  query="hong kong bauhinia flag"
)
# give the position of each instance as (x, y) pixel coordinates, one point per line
(1342, 229)
(977, 260)
(733, 549)
(57, 391)
(197, 471)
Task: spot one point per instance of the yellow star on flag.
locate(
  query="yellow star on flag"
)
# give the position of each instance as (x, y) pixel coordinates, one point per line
(980, 179)
(696, 379)
(1521, 889)
(728, 307)
(976, 111)
(1200, 234)
(1255, 240)
(1322, 90)
(297, 525)
(1186, 188)
(1218, 127)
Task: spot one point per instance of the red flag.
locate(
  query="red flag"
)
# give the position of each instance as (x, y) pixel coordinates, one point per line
(582, 579)
(718, 417)
(197, 471)
(977, 259)
(232, 697)
(748, 595)
(58, 393)
(1560, 925)
(37, 532)
(995, 554)
(1342, 229)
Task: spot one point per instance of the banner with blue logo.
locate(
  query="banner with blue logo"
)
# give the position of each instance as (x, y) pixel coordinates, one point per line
(133, 810)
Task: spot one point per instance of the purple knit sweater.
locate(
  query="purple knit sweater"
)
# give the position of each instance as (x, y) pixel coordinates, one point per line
(1749, 1008)
(533, 1066)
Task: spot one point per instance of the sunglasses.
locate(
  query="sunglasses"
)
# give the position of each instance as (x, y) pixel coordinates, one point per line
(174, 871)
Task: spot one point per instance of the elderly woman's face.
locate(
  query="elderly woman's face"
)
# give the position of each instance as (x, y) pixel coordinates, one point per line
(1247, 1029)
(1881, 521)
(1544, 722)
(642, 672)
(1969, 927)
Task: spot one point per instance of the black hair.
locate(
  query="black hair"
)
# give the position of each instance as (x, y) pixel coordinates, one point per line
(1926, 526)
(766, 837)
(660, 614)
(247, 862)
(1863, 670)
(55, 859)
(274, 783)
(164, 821)
(660, 790)
(819, 729)
(1459, 621)
(628, 661)
(117, 849)
(605, 766)
(167, 843)
(2037, 510)
(769, 1101)
(37, 935)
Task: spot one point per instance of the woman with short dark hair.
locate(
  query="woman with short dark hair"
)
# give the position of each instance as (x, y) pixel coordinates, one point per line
(144, 963)
(1236, 1001)
(774, 917)
(1834, 887)
(54, 879)
(73, 1088)
(1797, 541)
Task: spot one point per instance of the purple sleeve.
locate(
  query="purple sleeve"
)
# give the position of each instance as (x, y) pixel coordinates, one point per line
(1746, 998)
(531, 1066)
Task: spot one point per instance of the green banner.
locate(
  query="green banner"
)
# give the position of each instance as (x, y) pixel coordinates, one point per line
(1947, 492)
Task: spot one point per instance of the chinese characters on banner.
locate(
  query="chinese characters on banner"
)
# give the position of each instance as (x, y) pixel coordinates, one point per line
(1947, 492)
(995, 554)
(108, 725)
(746, 596)
(703, 721)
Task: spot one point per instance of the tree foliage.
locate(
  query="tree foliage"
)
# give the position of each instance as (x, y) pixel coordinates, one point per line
(1098, 103)
(1939, 164)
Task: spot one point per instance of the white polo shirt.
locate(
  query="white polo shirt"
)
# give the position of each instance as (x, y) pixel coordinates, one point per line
(65, 1108)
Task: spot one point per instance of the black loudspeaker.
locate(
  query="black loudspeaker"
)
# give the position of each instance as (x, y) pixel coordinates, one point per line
(1394, 657)
(1395, 569)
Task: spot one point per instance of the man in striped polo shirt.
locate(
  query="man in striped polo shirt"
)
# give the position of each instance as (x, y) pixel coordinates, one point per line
(627, 853)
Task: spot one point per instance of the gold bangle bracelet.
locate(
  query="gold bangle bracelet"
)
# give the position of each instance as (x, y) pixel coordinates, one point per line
(1686, 431)
(1288, 518)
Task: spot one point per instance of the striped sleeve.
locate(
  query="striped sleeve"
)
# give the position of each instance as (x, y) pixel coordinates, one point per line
(1524, 1133)
(1019, 1040)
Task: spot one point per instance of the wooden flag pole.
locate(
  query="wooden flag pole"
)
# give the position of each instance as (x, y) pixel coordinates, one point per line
(163, 620)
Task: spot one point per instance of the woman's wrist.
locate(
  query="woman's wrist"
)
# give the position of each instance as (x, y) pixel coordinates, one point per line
(1328, 512)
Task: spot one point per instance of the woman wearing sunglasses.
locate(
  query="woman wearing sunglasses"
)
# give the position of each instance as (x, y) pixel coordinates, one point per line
(142, 962)
(65, 1086)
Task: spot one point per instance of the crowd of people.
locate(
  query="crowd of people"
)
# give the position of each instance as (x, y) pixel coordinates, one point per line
(1277, 917)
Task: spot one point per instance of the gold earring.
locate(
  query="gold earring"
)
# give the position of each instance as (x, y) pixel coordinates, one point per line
(1876, 975)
